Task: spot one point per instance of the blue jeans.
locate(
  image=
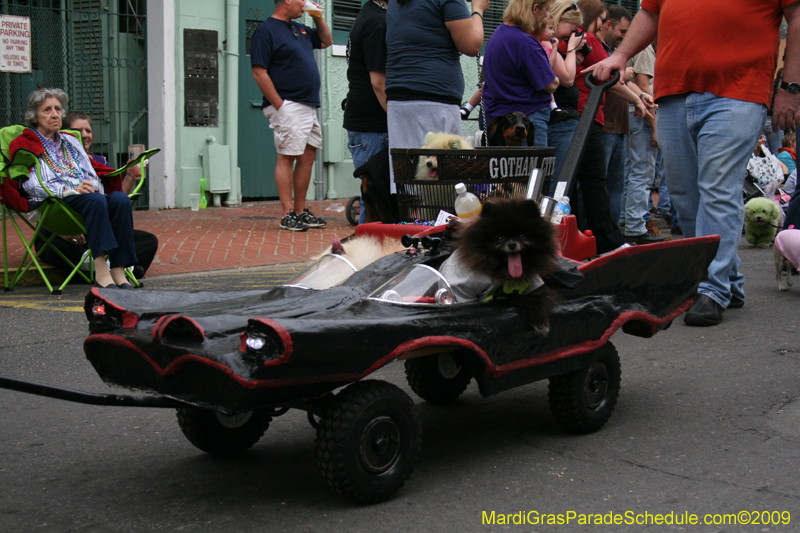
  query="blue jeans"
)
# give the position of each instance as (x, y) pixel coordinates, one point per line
(707, 141)
(616, 145)
(364, 145)
(664, 203)
(109, 225)
(641, 176)
(540, 119)
(559, 135)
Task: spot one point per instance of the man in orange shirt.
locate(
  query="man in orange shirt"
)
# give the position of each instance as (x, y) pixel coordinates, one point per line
(713, 97)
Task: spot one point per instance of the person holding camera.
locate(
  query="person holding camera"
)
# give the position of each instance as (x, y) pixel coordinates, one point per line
(592, 169)
(567, 19)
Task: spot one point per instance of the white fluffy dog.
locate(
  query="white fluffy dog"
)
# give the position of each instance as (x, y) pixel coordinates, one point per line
(428, 167)
(361, 251)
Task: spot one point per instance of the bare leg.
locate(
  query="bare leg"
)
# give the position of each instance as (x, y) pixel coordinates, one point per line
(284, 169)
(302, 177)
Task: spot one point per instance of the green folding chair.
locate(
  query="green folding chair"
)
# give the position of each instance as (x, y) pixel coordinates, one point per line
(56, 216)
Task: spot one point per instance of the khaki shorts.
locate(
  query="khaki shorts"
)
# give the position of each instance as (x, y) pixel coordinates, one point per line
(294, 126)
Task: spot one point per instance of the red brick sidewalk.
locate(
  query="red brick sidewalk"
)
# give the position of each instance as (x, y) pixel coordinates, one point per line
(219, 238)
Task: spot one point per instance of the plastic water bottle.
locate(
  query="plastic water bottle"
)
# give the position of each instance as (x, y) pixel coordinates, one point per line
(560, 210)
(467, 204)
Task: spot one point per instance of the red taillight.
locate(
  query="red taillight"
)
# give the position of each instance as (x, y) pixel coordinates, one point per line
(99, 309)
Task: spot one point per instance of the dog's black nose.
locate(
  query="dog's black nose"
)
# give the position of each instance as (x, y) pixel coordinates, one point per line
(520, 129)
(430, 164)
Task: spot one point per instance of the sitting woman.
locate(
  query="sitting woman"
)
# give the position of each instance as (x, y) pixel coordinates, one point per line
(67, 172)
(74, 246)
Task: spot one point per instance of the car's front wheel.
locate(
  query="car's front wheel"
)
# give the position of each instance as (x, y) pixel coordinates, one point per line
(582, 401)
(368, 440)
(438, 378)
(223, 435)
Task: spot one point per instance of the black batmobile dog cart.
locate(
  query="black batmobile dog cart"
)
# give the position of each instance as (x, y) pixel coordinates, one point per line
(231, 362)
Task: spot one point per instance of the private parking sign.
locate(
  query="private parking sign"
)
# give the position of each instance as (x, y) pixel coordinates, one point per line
(15, 44)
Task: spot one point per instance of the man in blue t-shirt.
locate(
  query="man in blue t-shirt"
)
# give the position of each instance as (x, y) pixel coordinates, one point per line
(282, 57)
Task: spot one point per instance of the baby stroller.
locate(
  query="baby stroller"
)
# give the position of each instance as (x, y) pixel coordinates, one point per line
(764, 179)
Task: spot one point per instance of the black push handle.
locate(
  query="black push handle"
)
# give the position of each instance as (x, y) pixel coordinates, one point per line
(569, 169)
(606, 85)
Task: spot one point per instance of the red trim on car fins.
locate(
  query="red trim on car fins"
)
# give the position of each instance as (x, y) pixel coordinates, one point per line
(642, 248)
(162, 323)
(402, 349)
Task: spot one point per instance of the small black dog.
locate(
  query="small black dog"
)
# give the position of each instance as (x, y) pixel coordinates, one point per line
(510, 130)
(505, 254)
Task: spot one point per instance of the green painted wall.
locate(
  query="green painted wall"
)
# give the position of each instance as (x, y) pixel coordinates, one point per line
(190, 141)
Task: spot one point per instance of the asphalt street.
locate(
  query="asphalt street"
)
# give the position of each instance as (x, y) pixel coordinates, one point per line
(707, 423)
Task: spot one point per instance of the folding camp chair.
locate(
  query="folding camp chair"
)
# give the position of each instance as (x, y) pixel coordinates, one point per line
(56, 215)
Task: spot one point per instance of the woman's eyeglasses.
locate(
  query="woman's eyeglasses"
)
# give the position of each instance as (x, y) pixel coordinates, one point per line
(573, 7)
(294, 30)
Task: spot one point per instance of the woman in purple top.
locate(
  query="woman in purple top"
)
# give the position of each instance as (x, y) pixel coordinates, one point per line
(518, 72)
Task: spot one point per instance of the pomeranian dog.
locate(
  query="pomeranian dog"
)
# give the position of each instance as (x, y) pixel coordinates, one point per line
(505, 253)
(428, 167)
(786, 254)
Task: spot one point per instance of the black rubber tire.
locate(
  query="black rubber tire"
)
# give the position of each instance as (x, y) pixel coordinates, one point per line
(222, 435)
(368, 441)
(438, 378)
(582, 401)
(352, 210)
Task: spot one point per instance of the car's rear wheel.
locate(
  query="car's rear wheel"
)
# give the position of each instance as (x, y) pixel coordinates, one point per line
(438, 378)
(368, 440)
(223, 435)
(582, 401)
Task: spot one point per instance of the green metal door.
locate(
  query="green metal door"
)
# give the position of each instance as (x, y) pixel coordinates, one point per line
(257, 155)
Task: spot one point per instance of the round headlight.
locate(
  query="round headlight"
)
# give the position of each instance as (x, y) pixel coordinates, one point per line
(255, 342)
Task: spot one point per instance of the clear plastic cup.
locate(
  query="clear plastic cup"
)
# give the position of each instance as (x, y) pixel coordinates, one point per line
(195, 199)
(312, 9)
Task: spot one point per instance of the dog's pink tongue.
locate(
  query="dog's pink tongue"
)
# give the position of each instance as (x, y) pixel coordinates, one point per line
(515, 265)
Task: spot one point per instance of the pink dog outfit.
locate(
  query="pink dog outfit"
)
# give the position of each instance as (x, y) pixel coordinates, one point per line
(788, 243)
